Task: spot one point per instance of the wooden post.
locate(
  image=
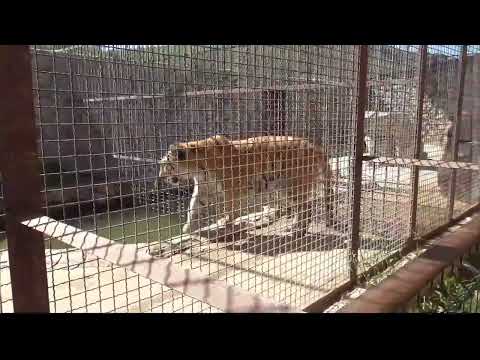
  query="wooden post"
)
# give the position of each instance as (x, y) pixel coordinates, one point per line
(22, 183)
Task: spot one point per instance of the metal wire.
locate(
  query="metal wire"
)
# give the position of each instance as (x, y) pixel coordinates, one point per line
(390, 123)
(467, 183)
(108, 116)
(440, 88)
(87, 185)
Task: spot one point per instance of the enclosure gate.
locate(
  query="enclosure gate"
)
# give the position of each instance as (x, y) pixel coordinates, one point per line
(100, 119)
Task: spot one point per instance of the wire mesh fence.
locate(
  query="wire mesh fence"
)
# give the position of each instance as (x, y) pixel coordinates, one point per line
(441, 82)
(441, 276)
(238, 162)
(467, 185)
(390, 124)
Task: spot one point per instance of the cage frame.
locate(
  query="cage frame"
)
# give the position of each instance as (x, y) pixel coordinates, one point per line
(13, 93)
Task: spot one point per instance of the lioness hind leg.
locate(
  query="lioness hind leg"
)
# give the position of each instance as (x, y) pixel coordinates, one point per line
(303, 220)
(231, 211)
(330, 201)
(330, 207)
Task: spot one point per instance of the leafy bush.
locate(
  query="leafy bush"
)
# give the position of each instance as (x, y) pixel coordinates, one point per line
(453, 295)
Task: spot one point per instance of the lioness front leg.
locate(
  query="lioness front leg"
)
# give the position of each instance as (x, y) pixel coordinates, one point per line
(192, 212)
(197, 214)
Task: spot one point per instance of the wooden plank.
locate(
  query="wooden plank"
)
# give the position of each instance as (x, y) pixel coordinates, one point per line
(243, 224)
(21, 181)
(237, 91)
(190, 282)
(307, 86)
(135, 158)
(123, 98)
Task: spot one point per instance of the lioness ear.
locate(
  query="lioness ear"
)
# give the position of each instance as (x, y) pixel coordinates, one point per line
(179, 152)
(220, 140)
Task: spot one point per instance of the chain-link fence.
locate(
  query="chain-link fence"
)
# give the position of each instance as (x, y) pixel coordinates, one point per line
(280, 172)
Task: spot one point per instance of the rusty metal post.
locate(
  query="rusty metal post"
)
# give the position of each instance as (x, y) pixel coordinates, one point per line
(22, 183)
(456, 129)
(422, 71)
(357, 175)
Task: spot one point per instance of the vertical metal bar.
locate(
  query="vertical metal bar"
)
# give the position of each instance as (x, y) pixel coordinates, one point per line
(474, 118)
(422, 71)
(456, 129)
(267, 122)
(357, 175)
(22, 183)
(282, 116)
(274, 109)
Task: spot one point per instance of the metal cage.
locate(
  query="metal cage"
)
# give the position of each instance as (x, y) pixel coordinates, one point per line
(388, 152)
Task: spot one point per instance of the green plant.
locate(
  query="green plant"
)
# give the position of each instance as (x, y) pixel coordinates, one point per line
(453, 295)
